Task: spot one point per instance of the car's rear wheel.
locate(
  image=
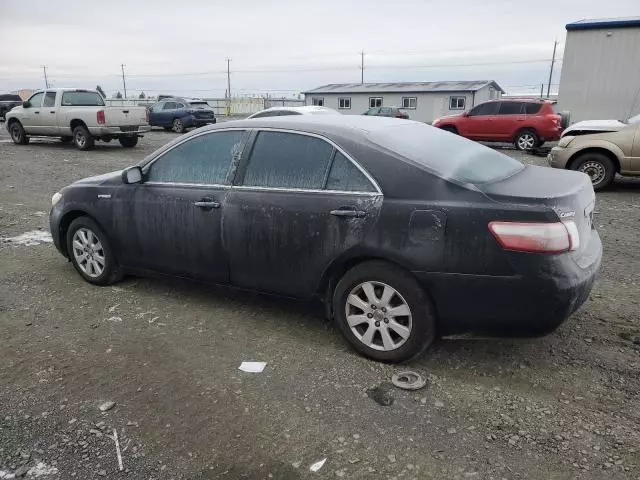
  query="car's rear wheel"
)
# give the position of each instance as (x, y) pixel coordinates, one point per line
(82, 139)
(383, 312)
(91, 253)
(177, 126)
(599, 167)
(128, 142)
(526, 140)
(449, 128)
(18, 134)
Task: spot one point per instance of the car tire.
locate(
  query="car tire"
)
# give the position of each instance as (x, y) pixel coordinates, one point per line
(450, 129)
(97, 266)
(406, 335)
(66, 139)
(177, 125)
(82, 139)
(526, 140)
(598, 166)
(18, 135)
(128, 142)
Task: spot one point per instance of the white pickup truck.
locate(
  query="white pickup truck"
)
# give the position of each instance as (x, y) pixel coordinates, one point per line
(78, 116)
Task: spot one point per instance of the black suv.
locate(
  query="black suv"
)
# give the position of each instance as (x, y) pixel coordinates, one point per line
(7, 102)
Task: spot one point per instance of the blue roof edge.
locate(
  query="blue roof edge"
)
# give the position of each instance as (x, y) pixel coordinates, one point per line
(598, 24)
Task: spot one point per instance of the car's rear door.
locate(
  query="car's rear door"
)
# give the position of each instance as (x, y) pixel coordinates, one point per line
(510, 118)
(49, 115)
(167, 114)
(299, 203)
(478, 122)
(171, 222)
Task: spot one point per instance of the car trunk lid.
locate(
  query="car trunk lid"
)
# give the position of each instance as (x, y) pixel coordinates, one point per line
(125, 116)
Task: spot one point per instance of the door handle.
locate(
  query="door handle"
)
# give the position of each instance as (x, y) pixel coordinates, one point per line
(206, 204)
(348, 212)
(52, 111)
(36, 112)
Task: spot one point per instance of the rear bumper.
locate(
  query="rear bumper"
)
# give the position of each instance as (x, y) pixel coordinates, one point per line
(198, 122)
(118, 131)
(532, 303)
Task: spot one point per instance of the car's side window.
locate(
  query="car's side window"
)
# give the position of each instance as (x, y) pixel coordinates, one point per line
(169, 106)
(288, 160)
(204, 160)
(385, 111)
(372, 111)
(157, 107)
(36, 100)
(532, 108)
(511, 108)
(488, 108)
(49, 99)
(180, 105)
(345, 176)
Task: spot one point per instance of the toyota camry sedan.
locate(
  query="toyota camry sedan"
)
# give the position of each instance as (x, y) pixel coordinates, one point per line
(403, 230)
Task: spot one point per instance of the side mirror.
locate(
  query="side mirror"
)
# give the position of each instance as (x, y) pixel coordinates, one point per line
(26, 104)
(132, 175)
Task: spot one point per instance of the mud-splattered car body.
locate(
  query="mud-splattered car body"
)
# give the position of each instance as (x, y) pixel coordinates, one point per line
(424, 201)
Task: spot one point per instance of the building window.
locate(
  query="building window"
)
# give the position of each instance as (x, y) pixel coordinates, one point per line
(375, 102)
(317, 101)
(409, 102)
(344, 103)
(457, 103)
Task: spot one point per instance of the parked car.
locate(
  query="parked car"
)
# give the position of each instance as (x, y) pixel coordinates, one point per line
(525, 123)
(179, 114)
(78, 116)
(302, 110)
(7, 102)
(403, 230)
(395, 112)
(587, 127)
(600, 155)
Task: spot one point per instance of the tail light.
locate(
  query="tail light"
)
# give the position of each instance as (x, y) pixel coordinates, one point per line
(100, 117)
(555, 237)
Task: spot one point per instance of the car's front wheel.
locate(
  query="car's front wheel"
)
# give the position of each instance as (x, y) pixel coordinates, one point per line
(177, 126)
(383, 312)
(91, 253)
(599, 167)
(18, 134)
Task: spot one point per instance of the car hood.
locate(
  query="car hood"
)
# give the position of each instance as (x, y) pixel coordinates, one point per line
(111, 178)
(595, 125)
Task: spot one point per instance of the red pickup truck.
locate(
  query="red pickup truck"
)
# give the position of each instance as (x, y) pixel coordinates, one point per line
(526, 123)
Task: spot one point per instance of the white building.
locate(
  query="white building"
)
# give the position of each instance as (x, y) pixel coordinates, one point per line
(423, 101)
(601, 69)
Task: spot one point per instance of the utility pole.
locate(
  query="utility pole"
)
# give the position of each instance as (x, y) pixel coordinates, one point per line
(553, 60)
(541, 91)
(46, 81)
(124, 83)
(228, 88)
(362, 66)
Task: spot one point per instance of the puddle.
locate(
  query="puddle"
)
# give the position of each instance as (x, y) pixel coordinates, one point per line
(28, 239)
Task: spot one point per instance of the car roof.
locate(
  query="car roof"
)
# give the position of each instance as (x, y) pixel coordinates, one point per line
(302, 109)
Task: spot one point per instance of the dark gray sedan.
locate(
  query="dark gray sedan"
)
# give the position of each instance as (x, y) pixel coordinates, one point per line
(403, 230)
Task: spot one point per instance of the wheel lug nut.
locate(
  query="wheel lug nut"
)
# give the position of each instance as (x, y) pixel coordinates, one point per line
(377, 324)
(386, 320)
(373, 307)
(369, 315)
(384, 309)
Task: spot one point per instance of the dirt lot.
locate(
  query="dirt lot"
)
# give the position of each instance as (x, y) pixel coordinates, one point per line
(167, 353)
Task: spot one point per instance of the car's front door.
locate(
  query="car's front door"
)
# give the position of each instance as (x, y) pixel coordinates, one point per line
(31, 118)
(300, 204)
(478, 122)
(510, 118)
(171, 222)
(49, 115)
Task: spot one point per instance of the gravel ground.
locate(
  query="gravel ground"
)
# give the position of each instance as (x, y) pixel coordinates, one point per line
(167, 353)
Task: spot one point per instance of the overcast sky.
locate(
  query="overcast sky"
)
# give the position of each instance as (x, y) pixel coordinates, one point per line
(283, 47)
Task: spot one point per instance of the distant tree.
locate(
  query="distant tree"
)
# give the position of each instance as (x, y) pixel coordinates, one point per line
(118, 95)
(142, 96)
(101, 91)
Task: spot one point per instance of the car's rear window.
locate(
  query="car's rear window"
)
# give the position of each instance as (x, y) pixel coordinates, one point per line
(446, 155)
(532, 108)
(82, 99)
(199, 105)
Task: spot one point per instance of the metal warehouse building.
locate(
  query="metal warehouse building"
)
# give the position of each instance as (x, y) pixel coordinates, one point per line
(423, 101)
(601, 69)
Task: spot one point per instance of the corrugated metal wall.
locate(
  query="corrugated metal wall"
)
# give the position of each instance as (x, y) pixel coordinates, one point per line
(601, 74)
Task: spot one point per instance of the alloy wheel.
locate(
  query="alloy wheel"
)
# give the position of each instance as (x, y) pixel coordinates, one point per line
(16, 134)
(81, 140)
(526, 141)
(88, 252)
(378, 316)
